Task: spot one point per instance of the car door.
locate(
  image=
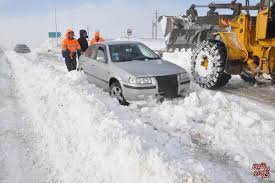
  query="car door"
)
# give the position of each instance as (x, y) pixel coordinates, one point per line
(88, 63)
(102, 67)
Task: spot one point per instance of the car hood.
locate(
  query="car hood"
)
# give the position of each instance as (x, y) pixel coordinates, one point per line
(150, 68)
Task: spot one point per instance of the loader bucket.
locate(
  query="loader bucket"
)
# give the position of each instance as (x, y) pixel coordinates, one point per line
(185, 32)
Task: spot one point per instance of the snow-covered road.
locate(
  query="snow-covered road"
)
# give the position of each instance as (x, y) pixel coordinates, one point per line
(81, 135)
(11, 153)
(17, 163)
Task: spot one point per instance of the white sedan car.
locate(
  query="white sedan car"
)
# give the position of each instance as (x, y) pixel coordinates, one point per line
(130, 71)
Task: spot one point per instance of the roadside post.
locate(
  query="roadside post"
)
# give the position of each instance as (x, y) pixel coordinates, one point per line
(129, 33)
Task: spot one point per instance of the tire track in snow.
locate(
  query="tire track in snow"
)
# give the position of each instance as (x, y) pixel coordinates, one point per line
(263, 94)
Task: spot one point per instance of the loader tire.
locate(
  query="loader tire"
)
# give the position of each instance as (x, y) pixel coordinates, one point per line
(208, 64)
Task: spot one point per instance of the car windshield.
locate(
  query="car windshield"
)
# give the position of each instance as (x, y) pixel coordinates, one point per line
(131, 52)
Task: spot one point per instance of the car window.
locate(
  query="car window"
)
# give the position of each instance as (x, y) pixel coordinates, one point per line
(131, 52)
(101, 54)
(91, 52)
(146, 51)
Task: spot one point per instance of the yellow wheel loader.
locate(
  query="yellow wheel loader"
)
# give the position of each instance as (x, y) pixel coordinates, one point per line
(244, 45)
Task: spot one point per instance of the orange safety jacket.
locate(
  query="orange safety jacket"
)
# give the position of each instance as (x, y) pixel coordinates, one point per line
(71, 45)
(94, 41)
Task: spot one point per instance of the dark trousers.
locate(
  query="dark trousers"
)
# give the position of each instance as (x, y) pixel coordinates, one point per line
(71, 64)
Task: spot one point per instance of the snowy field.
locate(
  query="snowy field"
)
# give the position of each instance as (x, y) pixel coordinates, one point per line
(56, 127)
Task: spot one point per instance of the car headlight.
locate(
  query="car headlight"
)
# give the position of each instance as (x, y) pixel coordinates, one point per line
(182, 76)
(140, 80)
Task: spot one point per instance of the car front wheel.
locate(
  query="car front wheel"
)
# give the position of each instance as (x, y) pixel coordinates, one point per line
(116, 92)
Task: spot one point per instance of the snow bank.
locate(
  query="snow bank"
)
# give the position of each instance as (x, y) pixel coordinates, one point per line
(223, 126)
(154, 44)
(81, 137)
(16, 161)
(230, 125)
(182, 59)
(50, 47)
(5, 75)
(4, 104)
(50, 44)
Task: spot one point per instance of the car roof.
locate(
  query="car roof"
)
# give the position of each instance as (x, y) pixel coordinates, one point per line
(121, 42)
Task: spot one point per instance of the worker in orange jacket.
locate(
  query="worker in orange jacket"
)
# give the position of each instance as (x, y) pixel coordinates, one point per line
(97, 38)
(70, 50)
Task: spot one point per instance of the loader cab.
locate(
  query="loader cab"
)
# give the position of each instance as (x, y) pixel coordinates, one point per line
(266, 20)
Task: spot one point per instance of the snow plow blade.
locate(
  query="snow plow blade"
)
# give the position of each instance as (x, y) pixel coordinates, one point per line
(182, 32)
(187, 30)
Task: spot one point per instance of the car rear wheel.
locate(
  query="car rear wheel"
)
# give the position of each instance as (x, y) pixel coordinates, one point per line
(116, 92)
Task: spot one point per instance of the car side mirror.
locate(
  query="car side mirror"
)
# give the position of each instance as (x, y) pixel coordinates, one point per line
(160, 54)
(101, 59)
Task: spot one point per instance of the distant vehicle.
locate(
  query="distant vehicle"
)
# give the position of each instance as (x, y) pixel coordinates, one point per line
(131, 71)
(22, 48)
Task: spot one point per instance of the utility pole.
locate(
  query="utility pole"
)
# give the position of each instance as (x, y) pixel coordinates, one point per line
(155, 26)
(56, 36)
